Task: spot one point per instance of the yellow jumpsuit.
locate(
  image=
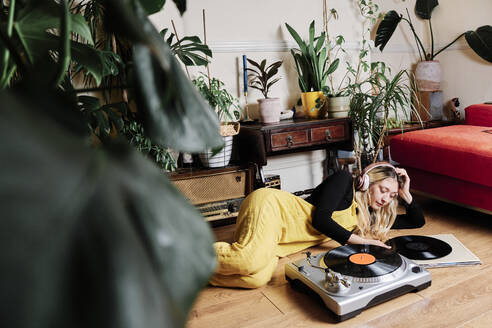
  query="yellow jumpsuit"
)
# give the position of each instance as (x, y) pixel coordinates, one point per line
(270, 223)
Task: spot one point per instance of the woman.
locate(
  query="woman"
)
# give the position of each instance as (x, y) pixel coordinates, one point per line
(273, 223)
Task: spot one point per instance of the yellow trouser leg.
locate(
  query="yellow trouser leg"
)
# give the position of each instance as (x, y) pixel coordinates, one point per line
(254, 280)
(258, 230)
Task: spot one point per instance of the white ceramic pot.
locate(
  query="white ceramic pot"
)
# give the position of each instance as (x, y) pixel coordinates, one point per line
(428, 75)
(220, 159)
(338, 107)
(269, 109)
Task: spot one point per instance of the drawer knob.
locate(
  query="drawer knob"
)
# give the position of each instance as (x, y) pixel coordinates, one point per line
(290, 141)
(328, 134)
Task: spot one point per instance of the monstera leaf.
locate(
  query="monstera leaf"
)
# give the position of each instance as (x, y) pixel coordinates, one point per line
(37, 32)
(481, 41)
(153, 6)
(97, 237)
(90, 238)
(386, 29)
(37, 18)
(189, 49)
(424, 8)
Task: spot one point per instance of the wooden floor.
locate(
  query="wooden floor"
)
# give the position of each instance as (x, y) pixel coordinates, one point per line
(458, 296)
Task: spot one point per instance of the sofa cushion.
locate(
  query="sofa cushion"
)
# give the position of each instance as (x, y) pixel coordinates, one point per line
(480, 114)
(459, 151)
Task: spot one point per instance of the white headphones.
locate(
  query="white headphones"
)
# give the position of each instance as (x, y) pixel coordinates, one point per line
(363, 180)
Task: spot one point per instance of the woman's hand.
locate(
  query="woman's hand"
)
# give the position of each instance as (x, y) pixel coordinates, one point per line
(404, 191)
(377, 243)
(354, 239)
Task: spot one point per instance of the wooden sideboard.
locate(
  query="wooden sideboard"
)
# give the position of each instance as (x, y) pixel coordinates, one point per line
(257, 141)
(296, 135)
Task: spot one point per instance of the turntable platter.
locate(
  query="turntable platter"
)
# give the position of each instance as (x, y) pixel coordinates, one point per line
(362, 261)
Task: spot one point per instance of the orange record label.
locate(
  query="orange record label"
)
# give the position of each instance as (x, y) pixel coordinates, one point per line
(362, 258)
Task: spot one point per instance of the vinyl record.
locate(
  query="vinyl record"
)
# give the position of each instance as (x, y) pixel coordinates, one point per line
(363, 261)
(420, 247)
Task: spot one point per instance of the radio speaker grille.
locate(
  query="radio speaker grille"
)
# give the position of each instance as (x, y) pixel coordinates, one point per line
(213, 188)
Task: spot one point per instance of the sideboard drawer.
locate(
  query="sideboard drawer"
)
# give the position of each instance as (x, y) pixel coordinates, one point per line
(289, 136)
(328, 133)
(289, 139)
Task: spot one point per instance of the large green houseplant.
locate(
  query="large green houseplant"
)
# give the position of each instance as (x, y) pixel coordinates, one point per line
(313, 69)
(113, 243)
(428, 70)
(377, 103)
(115, 114)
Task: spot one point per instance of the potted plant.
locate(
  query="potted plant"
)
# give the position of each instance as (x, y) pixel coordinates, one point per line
(228, 114)
(313, 70)
(378, 103)
(337, 97)
(428, 71)
(262, 78)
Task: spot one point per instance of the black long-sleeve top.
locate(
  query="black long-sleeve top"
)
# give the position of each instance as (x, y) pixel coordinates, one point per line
(335, 194)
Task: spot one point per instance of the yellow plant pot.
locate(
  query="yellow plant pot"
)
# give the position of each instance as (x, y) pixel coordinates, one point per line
(313, 104)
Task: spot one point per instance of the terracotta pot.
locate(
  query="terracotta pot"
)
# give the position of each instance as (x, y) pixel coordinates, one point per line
(269, 109)
(314, 104)
(428, 75)
(338, 107)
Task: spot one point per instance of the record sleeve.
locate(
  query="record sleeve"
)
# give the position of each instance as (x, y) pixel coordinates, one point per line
(416, 247)
(459, 256)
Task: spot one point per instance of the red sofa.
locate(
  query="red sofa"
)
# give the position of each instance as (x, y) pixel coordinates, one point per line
(452, 163)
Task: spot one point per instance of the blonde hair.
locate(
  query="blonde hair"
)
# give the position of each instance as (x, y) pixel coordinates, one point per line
(376, 224)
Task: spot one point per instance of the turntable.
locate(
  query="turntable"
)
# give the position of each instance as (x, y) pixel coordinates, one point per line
(354, 277)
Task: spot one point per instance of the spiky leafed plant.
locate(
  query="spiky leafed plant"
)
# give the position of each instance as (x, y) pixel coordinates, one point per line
(370, 111)
(311, 62)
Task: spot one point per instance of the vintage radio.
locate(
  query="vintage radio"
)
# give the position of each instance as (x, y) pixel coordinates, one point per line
(217, 193)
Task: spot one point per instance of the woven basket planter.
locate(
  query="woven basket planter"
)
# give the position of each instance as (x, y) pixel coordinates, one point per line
(223, 157)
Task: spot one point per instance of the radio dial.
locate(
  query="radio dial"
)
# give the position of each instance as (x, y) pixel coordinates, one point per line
(232, 207)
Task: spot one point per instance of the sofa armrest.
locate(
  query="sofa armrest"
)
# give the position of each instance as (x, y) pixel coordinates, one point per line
(479, 114)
